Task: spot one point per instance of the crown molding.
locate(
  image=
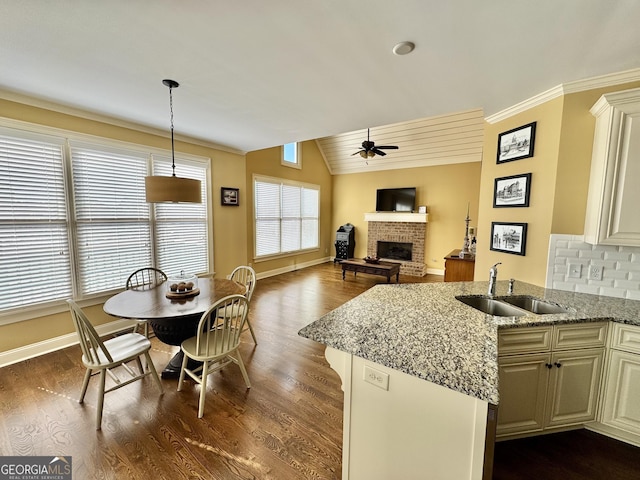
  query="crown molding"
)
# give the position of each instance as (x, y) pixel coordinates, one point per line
(601, 81)
(116, 122)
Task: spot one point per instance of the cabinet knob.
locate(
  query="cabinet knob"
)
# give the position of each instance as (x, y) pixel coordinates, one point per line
(558, 364)
(548, 365)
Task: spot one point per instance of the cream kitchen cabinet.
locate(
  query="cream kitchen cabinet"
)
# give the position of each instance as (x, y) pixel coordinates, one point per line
(621, 404)
(549, 376)
(612, 203)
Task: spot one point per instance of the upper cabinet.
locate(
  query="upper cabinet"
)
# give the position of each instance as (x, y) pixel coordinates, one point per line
(614, 191)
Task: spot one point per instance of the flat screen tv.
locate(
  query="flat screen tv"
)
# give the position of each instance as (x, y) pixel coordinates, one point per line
(396, 199)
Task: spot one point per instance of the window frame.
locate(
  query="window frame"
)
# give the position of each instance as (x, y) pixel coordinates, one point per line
(298, 154)
(292, 183)
(27, 129)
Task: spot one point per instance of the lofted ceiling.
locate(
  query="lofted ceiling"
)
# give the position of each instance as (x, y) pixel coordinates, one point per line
(257, 74)
(453, 138)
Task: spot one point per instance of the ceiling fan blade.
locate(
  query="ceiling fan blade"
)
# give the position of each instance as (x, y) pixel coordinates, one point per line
(378, 152)
(358, 152)
(390, 147)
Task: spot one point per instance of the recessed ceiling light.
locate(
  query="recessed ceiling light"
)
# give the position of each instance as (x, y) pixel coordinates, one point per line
(403, 48)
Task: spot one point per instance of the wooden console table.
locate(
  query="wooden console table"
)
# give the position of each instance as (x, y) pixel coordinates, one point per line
(384, 269)
(458, 269)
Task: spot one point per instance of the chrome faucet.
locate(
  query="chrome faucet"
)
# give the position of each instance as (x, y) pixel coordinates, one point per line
(493, 278)
(511, 282)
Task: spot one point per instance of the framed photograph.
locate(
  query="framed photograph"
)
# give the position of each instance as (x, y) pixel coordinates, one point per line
(230, 196)
(512, 191)
(516, 144)
(509, 237)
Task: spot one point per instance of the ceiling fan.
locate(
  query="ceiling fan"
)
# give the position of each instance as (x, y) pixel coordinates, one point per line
(369, 148)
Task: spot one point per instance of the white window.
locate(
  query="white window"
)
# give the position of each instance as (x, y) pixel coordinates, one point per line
(286, 216)
(181, 238)
(74, 221)
(112, 218)
(34, 228)
(291, 156)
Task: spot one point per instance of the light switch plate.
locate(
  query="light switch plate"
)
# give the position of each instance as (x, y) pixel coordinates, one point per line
(575, 270)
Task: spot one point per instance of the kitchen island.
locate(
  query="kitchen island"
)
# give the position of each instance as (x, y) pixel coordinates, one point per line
(420, 371)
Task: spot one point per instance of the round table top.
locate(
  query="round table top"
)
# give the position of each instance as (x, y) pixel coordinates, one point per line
(153, 304)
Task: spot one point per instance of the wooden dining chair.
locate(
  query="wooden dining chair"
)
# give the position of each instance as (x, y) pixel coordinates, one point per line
(215, 344)
(103, 357)
(145, 279)
(246, 276)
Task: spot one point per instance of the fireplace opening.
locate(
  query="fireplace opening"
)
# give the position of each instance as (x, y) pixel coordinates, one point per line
(395, 250)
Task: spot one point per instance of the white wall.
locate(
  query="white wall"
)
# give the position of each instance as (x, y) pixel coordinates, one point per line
(621, 267)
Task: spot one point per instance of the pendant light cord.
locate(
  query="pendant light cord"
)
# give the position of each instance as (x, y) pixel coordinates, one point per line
(173, 159)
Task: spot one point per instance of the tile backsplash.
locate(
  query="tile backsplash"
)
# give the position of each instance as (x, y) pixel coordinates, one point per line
(620, 267)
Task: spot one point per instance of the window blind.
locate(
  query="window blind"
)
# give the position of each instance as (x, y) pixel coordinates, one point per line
(181, 229)
(267, 208)
(74, 221)
(287, 216)
(310, 221)
(34, 241)
(112, 217)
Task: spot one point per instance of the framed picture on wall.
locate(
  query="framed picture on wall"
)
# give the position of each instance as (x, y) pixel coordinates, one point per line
(509, 237)
(512, 191)
(517, 143)
(230, 196)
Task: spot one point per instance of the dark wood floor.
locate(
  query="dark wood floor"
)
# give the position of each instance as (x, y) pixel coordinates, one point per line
(287, 426)
(575, 455)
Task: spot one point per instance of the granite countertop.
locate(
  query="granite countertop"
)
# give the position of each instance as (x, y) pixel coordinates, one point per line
(422, 330)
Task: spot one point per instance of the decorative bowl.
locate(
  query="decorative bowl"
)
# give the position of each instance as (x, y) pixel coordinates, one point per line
(372, 259)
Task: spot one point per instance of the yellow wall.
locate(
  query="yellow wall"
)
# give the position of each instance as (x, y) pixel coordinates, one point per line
(559, 186)
(574, 159)
(267, 162)
(229, 245)
(446, 190)
(560, 169)
(531, 267)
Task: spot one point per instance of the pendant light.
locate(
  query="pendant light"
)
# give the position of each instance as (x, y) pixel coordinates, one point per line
(174, 189)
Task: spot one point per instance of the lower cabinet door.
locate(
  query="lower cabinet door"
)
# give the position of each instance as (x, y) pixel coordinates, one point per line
(573, 387)
(523, 390)
(622, 394)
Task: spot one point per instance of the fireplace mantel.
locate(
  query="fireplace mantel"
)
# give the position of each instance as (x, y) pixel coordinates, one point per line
(406, 217)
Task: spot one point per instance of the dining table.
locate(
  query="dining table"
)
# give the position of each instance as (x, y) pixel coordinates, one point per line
(173, 320)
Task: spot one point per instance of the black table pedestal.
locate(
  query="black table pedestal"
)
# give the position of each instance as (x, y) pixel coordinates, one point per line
(173, 332)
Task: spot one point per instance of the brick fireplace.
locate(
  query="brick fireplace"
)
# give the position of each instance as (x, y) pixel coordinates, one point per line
(399, 228)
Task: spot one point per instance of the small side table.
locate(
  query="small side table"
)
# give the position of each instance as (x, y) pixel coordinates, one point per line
(458, 269)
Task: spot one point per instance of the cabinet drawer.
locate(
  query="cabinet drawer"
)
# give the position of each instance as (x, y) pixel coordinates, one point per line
(583, 335)
(626, 337)
(524, 340)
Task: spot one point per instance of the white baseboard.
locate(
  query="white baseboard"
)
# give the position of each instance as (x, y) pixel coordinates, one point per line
(292, 268)
(613, 432)
(26, 352)
(50, 345)
(16, 355)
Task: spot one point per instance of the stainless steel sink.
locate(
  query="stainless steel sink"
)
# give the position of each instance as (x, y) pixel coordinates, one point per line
(491, 306)
(533, 305)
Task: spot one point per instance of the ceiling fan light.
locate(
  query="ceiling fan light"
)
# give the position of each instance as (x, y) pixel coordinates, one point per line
(159, 189)
(363, 154)
(371, 154)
